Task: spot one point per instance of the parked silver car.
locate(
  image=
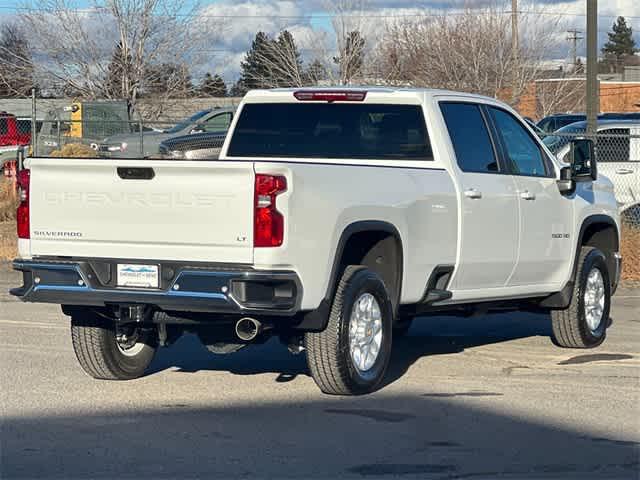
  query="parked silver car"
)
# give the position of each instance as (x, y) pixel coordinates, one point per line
(147, 144)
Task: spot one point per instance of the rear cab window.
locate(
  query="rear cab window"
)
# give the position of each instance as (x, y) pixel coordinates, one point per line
(470, 137)
(331, 131)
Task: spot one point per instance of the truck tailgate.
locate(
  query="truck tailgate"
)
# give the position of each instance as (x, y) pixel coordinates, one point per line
(194, 211)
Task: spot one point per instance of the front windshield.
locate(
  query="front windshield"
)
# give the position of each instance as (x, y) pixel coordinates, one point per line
(562, 137)
(185, 123)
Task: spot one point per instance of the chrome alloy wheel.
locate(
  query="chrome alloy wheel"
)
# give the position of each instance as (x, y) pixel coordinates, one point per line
(365, 332)
(594, 299)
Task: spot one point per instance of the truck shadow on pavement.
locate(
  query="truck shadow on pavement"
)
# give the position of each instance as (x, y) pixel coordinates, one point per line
(428, 336)
(377, 436)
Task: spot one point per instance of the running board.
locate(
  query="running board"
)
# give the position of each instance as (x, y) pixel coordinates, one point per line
(436, 296)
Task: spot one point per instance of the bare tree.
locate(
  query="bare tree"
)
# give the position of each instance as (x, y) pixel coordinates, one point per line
(469, 51)
(351, 27)
(273, 63)
(77, 45)
(561, 94)
(16, 65)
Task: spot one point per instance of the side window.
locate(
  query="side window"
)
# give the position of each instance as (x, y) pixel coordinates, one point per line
(470, 137)
(523, 153)
(218, 123)
(4, 126)
(613, 145)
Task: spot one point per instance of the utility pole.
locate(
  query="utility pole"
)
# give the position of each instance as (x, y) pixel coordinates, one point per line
(593, 95)
(514, 28)
(574, 37)
(34, 143)
(514, 47)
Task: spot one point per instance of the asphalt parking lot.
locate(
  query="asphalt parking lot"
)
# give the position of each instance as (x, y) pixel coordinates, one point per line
(479, 398)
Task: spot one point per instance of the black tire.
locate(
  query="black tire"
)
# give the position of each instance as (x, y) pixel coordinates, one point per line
(97, 351)
(328, 352)
(402, 326)
(570, 328)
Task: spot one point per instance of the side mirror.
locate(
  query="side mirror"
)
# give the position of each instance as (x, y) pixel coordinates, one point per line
(582, 159)
(197, 129)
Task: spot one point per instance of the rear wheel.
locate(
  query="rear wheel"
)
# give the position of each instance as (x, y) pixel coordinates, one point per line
(109, 352)
(583, 324)
(351, 355)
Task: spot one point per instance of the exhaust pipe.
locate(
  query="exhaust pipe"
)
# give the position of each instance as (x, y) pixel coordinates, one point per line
(248, 329)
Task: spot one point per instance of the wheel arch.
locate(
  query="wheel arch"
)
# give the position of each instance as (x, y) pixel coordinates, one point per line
(374, 243)
(601, 232)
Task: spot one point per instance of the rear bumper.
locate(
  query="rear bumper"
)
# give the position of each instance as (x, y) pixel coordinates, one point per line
(191, 288)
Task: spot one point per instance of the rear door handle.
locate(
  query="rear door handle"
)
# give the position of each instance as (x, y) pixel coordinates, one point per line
(624, 171)
(472, 193)
(136, 173)
(527, 195)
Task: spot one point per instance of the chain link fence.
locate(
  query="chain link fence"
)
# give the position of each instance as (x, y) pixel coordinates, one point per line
(618, 154)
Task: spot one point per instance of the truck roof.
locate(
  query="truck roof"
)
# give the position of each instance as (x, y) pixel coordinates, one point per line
(274, 93)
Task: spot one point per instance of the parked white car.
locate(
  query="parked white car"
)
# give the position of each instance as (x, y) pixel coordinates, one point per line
(331, 218)
(618, 153)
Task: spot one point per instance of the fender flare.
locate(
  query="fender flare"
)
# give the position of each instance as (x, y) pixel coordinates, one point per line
(316, 320)
(562, 298)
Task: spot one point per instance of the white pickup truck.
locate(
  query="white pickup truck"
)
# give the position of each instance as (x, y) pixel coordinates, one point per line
(331, 218)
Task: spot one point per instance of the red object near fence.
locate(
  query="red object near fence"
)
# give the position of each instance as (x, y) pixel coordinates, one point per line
(14, 131)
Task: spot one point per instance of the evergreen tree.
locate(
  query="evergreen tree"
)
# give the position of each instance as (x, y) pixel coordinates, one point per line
(621, 40)
(287, 69)
(254, 69)
(118, 73)
(619, 50)
(238, 89)
(16, 65)
(213, 86)
(168, 79)
(316, 72)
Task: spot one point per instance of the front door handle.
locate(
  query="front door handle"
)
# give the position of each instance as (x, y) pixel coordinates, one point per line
(527, 195)
(624, 171)
(472, 193)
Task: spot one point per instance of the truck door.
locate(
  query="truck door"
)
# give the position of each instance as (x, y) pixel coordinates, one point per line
(488, 243)
(545, 215)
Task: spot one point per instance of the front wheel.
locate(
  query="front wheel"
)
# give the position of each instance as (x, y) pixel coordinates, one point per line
(583, 324)
(351, 355)
(109, 352)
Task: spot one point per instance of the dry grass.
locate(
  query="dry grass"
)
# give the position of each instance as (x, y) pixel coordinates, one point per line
(74, 150)
(8, 200)
(8, 242)
(630, 250)
(8, 205)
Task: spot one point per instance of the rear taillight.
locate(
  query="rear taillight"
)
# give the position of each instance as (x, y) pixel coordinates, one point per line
(24, 179)
(268, 222)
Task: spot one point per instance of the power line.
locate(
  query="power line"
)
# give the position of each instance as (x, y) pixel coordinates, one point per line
(101, 10)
